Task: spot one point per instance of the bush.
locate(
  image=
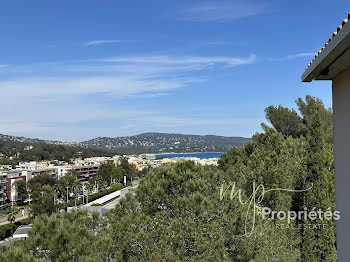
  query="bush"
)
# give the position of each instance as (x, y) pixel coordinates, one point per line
(25, 221)
(7, 230)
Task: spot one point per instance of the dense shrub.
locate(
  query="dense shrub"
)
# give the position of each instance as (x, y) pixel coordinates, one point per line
(7, 230)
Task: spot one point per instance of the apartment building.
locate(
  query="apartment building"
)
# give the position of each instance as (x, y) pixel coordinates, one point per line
(3, 195)
(86, 172)
(11, 177)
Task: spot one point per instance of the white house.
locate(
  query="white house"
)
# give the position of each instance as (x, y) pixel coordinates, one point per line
(332, 62)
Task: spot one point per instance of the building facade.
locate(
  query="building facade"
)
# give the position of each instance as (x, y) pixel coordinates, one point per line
(3, 194)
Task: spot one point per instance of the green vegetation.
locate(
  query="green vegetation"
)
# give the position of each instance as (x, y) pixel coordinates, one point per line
(91, 197)
(176, 213)
(45, 189)
(42, 152)
(164, 142)
(21, 189)
(8, 229)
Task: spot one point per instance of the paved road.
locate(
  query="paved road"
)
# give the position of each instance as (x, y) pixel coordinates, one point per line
(17, 219)
(123, 192)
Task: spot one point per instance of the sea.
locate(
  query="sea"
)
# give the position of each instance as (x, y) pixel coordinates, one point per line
(199, 155)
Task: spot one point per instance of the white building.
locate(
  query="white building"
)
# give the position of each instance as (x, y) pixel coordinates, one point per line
(62, 170)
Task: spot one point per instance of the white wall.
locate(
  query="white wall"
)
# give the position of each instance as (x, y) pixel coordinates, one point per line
(341, 107)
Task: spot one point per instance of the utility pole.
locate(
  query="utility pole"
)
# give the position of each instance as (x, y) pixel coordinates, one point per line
(83, 194)
(67, 194)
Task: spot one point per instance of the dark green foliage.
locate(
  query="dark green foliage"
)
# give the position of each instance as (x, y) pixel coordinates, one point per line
(41, 188)
(43, 204)
(15, 254)
(177, 216)
(66, 237)
(286, 122)
(42, 151)
(21, 189)
(313, 106)
(109, 172)
(41, 180)
(318, 244)
(8, 229)
(297, 154)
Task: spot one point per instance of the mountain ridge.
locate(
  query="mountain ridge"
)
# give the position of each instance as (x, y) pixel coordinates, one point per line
(149, 142)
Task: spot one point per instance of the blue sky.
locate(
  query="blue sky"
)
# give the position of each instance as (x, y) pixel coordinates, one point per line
(73, 70)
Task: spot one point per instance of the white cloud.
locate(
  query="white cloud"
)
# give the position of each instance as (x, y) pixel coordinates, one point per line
(293, 56)
(55, 87)
(101, 42)
(185, 60)
(51, 100)
(221, 11)
(166, 121)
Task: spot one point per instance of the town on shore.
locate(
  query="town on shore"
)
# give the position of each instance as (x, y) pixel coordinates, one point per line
(85, 168)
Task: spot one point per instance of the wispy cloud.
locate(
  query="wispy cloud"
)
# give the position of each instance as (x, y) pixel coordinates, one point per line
(101, 42)
(293, 56)
(185, 60)
(221, 11)
(116, 76)
(168, 121)
(64, 93)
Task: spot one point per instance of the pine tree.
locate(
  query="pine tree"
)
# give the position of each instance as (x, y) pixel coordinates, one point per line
(318, 244)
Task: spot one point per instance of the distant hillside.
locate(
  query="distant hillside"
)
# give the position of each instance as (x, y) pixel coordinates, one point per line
(163, 142)
(145, 143)
(32, 141)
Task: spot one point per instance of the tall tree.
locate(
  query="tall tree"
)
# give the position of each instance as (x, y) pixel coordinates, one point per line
(21, 189)
(286, 122)
(318, 244)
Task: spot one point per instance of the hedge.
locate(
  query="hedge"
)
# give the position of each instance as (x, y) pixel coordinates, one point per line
(91, 197)
(8, 229)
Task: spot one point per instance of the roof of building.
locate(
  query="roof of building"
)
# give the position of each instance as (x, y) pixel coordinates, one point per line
(337, 45)
(105, 199)
(22, 231)
(84, 167)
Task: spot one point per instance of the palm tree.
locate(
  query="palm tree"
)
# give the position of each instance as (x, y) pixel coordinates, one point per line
(89, 187)
(11, 217)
